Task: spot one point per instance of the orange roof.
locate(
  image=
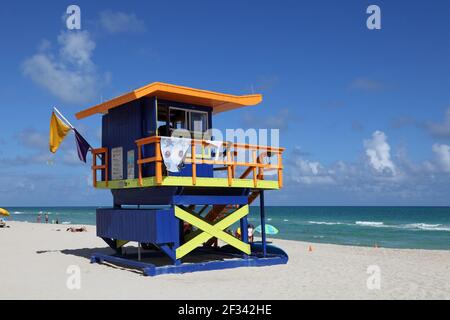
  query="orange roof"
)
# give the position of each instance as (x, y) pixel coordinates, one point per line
(220, 102)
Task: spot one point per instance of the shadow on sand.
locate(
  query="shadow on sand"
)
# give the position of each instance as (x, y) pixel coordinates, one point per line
(156, 258)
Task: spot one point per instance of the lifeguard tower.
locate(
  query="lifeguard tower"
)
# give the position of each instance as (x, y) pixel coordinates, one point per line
(185, 213)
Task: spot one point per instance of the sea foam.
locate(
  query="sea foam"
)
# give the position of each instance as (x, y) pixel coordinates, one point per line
(325, 223)
(370, 223)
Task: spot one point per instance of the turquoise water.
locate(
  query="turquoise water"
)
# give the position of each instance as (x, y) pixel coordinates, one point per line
(393, 227)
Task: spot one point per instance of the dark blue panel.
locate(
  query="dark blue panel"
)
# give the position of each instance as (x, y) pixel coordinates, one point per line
(148, 117)
(144, 196)
(203, 170)
(163, 195)
(141, 225)
(214, 191)
(122, 126)
(211, 200)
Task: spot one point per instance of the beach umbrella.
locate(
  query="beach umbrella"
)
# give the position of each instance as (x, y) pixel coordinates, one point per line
(4, 212)
(269, 229)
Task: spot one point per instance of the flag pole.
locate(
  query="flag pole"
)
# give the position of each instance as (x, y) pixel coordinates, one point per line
(67, 121)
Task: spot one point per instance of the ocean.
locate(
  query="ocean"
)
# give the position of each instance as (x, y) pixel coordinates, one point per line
(391, 227)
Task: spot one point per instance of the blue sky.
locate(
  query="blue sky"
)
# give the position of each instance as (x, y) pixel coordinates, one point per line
(364, 114)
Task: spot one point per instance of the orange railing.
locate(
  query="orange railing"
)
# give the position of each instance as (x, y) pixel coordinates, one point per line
(103, 153)
(157, 159)
(256, 165)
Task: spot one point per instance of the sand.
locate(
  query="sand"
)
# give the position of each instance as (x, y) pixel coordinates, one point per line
(34, 260)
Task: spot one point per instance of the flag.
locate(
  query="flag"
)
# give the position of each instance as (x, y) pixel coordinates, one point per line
(82, 146)
(58, 131)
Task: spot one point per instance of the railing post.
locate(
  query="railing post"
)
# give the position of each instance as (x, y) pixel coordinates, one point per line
(261, 169)
(194, 165)
(280, 170)
(233, 168)
(158, 164)
(229, 169)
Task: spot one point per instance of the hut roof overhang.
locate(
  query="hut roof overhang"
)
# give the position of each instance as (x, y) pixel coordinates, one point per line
(219, 102)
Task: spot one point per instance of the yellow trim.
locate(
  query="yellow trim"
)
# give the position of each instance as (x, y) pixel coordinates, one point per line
(187, 182)
(218, 101)
(211, 231)
(121, 243)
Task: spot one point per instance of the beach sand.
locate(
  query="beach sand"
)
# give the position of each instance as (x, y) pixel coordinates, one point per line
(34, 259)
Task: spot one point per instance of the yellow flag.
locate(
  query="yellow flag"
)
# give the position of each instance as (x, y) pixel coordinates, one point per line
(58, 131)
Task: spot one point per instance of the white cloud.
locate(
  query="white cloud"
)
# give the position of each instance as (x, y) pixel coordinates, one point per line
(308, 167)
(116, 22)
(393, 179)
(379, 153)
(77, 48)
(442, 153)
(70, 75)
(308, 172)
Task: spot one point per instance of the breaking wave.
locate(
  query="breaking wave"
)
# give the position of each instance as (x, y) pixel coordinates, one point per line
(370, 223)
(326, 223)
(379, 224)
(426, 226)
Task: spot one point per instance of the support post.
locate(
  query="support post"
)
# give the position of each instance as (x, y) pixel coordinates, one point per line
(263, 221)
(94, 170)
(244, 232)
(139, 251)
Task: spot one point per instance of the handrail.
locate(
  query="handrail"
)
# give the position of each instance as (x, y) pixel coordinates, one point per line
(154, 139)
(103, 152)
(256, 166)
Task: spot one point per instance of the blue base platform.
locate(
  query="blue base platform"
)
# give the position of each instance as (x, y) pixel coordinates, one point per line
(232, 259)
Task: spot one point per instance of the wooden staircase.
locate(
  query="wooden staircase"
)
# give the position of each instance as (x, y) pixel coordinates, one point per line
(218, 212)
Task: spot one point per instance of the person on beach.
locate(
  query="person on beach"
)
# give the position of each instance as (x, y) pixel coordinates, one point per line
(237, 233)
(46, 218)
(251, 232)
(74, 229)
(38, 219)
